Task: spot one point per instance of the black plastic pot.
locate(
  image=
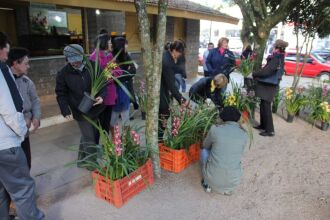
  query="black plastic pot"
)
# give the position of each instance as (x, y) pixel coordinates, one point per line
(143, 115)
(86, 103)
(290, 118)
(324, 126)
(248, 83)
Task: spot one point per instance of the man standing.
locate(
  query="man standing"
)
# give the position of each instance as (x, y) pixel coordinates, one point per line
(14, 172)
(210, 46)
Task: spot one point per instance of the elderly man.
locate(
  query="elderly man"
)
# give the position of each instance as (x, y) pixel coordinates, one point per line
(72, 81)
(221, 155)
(14, 171)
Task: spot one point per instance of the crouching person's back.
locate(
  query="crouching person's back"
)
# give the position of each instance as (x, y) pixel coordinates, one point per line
(221, 155)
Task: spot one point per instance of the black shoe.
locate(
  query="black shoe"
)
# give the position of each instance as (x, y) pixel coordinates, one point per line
(135, 105)
(259, 127)
(206, 187)
(265, 133)
(131, 118)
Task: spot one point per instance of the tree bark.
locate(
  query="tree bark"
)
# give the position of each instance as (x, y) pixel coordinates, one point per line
(152, 60)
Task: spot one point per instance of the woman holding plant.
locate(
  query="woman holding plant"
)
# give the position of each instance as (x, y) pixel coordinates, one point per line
(268, 79)
(72, 81)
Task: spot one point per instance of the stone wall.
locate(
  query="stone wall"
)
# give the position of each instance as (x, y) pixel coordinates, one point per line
(43, 73)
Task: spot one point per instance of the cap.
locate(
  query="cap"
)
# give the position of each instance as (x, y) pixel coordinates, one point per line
(281, 43)
(73, 53)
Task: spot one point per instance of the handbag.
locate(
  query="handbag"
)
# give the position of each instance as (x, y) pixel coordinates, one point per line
(273, 79)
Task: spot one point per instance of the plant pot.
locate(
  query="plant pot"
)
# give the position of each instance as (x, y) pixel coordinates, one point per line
(324, 126)
(290, 118)
(248, 83)
(245, 115)
(143, 115)
(118, 192)
(86, 103)
(177, 160)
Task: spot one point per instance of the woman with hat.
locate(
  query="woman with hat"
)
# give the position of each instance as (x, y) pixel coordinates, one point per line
(268, 79)
(209, 87)
(221, 154)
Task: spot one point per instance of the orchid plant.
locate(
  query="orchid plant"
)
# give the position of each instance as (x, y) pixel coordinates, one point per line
(319, 103)
(120, 156)
(294, 100)
(142, 96)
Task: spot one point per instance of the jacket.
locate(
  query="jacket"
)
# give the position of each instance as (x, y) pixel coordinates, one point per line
(31, 103)
(226, 143)
(220, 63)
(12, 124)
(180, 67)
(70, 87)
(201, 90)
(103, 60)
(167, 83)
(264, 90)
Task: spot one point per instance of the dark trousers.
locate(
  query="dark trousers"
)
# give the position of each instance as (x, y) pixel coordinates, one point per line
(206, 73)
(164, 114)
(266, 117)
(27, 150)
(16, 180)
(105, 118)
(88, 140)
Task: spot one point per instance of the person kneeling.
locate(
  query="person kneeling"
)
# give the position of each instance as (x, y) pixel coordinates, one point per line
(221, 154)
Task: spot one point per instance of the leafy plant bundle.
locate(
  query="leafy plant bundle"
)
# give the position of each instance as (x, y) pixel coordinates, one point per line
(319, 103)
(142, 96)
(246, 66)
(294, 100)
(120, 156)
(188, 126)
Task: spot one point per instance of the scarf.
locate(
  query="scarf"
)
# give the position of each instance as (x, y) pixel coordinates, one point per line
(17, 99)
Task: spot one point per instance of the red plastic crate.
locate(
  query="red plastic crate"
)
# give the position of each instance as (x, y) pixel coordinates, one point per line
(177, 160)
(120, 191)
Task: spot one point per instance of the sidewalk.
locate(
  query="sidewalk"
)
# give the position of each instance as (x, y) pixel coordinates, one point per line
(285, 177)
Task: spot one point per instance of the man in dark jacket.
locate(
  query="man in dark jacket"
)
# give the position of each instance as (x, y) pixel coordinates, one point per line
(167, 84)
(72, 81)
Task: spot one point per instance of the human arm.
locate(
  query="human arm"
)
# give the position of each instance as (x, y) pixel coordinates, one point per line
(168, 77)
(62, 94)
(207, 143)
(36, 109)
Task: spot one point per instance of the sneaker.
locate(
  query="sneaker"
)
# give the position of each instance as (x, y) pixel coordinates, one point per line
(206, 187)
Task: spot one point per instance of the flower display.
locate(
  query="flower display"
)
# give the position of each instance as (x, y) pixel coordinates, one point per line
(120, 155)
(294, 100)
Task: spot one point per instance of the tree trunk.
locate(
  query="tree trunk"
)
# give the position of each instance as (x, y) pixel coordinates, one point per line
(259, 48)
(152, 60)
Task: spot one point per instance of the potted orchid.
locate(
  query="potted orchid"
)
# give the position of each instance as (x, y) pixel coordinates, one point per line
(122, 163)
(294, 101)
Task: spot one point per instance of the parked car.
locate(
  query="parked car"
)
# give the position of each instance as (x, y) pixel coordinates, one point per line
(324, 53)
(315, 66)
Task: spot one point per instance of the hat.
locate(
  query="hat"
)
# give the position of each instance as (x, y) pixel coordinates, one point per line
(229, 113)
(281, 44)
(73, 53)
(220, 80)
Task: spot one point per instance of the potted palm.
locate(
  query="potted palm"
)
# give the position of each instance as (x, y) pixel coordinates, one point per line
(123, 167)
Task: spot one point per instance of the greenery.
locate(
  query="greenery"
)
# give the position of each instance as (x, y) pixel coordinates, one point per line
(142, 96)
(319, 103)
(246, 66)
(189, 126)
(241, 99)
(294, 100)
(276, 101)
(119, 157)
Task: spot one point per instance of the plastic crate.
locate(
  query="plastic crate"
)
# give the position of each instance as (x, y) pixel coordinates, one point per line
(120, 191)
(177, 160)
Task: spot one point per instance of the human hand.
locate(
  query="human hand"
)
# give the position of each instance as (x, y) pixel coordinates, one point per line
(99, 100)
(28, 122)
(36, 124)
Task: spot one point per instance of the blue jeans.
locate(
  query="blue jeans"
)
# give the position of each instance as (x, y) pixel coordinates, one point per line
(204, 155)
(180, 82)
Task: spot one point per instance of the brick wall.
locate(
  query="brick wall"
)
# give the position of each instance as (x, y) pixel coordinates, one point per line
(43, 73)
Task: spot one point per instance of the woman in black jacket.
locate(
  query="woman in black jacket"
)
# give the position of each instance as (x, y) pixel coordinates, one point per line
(167, 84)
(208, 87)
(265, 90)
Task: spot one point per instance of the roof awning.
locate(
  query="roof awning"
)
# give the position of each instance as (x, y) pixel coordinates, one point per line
(176, 8)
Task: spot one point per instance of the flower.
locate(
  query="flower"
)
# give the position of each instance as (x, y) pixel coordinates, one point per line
(325, 90)
(288, 93)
